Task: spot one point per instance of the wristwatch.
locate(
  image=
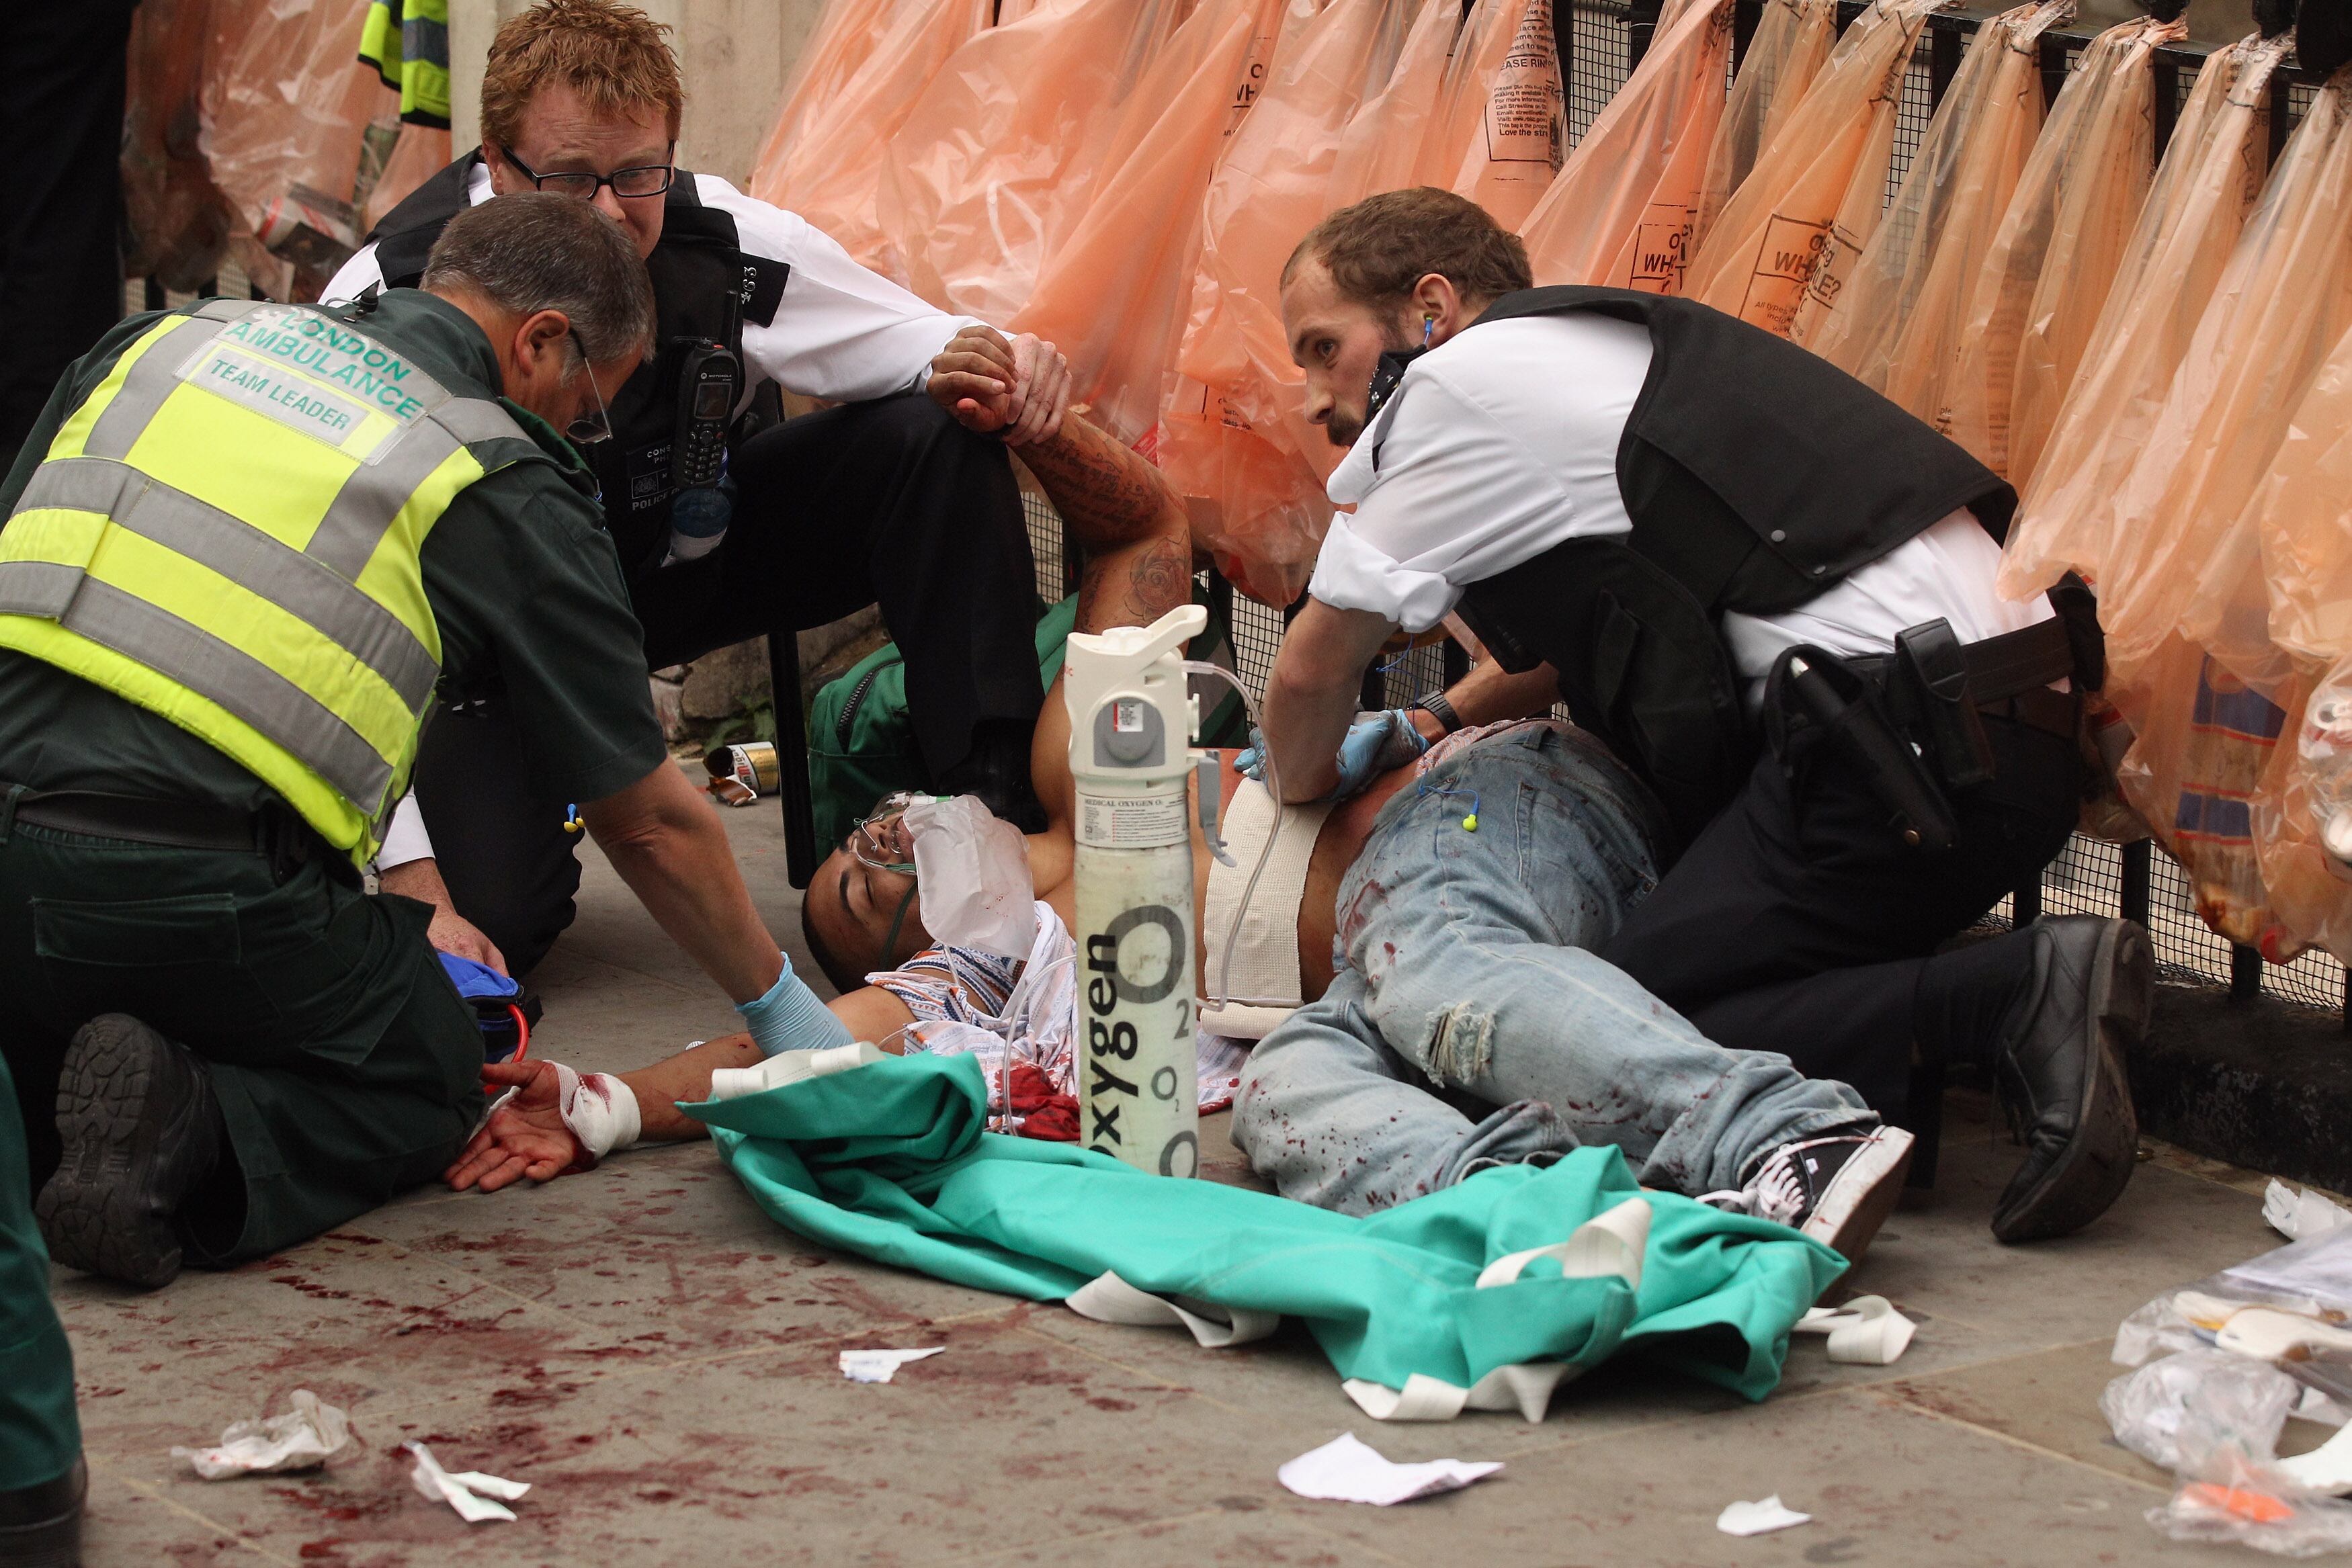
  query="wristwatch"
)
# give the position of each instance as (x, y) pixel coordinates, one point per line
(1434, 704)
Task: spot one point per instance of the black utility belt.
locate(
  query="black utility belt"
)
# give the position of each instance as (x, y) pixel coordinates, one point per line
(279, 837)
(1913, 720)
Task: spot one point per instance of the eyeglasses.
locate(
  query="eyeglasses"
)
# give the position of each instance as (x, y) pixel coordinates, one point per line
(645, 179)
(589, 428)
(880, 840)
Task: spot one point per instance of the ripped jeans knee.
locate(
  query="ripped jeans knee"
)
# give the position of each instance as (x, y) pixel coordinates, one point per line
(1460, 1049)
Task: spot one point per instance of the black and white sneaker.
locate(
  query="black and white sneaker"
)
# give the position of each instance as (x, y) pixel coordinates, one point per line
(1838, 1188)
(141, 1128)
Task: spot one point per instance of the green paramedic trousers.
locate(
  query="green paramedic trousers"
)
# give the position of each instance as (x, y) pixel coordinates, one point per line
(39, 1437)
(346, 1065)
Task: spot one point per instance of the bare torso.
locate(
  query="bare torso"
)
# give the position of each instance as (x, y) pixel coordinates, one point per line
(1052, 860)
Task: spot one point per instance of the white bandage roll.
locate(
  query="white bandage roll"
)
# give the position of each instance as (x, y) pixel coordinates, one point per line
(601, 1111)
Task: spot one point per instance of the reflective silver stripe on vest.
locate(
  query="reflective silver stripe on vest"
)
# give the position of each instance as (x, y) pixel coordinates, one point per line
(150, 379)
(371, 498)
(305, 588)
(218, 671)
(41, 587)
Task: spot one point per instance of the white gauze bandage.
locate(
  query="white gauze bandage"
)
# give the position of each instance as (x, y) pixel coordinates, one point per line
(599, 1110)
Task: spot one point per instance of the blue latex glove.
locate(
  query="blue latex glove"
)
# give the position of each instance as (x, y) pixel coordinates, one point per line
(1249, 761)
(790, 1018)
(1374, 744)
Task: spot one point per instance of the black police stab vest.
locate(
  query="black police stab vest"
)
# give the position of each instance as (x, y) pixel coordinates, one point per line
(704, 289)
(1757, 474)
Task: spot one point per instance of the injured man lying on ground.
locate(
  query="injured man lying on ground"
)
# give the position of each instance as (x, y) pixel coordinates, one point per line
(1468, 1024)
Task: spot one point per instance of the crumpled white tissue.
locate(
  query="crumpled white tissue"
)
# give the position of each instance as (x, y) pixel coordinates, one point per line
(1865, 1331)
(467, 1491)
(1758, 1517)
(303, 1438)
(880, 1365)
(1345, 1470)
(2300, 1216)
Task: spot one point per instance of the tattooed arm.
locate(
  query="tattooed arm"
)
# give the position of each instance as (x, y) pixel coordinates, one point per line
(1122, 514)
(1106, 493)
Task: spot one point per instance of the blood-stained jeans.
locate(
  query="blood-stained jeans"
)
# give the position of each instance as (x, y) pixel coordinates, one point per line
(1473, 1025)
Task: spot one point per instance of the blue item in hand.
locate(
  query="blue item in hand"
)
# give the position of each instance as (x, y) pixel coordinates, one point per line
(503, 1009)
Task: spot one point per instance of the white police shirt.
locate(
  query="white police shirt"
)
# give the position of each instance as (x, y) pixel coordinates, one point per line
(1502, 442)
(841, 333)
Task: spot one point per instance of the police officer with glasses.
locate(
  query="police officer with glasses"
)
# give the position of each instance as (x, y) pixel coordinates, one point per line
(730, 526)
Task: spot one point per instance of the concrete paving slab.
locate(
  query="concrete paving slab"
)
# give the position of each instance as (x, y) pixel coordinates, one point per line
(660, 1361)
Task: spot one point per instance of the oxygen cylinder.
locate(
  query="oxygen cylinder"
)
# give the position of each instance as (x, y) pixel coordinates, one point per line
(1132, 722)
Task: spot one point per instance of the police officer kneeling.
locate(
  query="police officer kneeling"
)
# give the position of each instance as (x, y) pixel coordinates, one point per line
(249, 544)
(1771, 591)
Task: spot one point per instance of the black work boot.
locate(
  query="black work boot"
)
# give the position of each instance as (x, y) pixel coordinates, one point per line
(2059, 1069)
(141, 1128)
(40, 1527)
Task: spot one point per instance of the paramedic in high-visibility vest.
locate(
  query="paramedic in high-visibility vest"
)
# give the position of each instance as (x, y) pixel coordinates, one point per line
(251, 547)
(1770, 591)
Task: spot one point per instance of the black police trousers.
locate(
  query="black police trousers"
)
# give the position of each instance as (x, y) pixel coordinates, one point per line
(888, 502)
(1798, 922)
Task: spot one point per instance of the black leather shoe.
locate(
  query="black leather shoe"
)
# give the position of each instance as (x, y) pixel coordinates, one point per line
(141, 1129)
(40, 1527)
(2060, 1073)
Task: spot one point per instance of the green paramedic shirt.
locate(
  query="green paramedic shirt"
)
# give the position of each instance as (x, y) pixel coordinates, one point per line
(519, 572)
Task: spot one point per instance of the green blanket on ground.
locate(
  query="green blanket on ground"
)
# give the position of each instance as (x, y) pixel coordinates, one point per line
(890, 1162)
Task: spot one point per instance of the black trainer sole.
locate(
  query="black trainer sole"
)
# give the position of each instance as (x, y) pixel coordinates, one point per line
(2097, 1164)
(98, 1212)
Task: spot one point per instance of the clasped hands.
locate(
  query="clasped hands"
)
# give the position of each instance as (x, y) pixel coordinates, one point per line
(1017, 388)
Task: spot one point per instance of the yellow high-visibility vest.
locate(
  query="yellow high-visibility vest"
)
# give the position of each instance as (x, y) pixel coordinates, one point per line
(408, 41)
(227, 532)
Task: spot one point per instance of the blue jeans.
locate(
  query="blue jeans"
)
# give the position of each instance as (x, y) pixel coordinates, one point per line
(1473, 1027)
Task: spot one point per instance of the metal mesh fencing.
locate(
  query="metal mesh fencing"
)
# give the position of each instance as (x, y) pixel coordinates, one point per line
(1601, 57)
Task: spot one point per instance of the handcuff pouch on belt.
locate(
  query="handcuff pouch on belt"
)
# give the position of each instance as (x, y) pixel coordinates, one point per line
(1811, 689)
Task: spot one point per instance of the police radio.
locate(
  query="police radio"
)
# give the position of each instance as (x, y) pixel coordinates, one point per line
(702, 504)
(709, 379)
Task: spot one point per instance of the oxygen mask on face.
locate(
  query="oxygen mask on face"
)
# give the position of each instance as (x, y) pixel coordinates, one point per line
(973, 870)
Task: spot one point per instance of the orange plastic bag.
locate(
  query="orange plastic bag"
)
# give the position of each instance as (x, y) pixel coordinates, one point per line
(1114, 297)
(2303, 517)
(990, 171)
(2180, 560)
(1791, 232)
(1500, 130)
(1234, 439)
(1792, 42)
(836, 52)
(1380, 149)
(1621, 212)
(285, 110)
(2207, 749)
(2186, 574)
(176, 222)
(2037, 297)
(1895, 325)
(823, 159)
(2211, 171)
